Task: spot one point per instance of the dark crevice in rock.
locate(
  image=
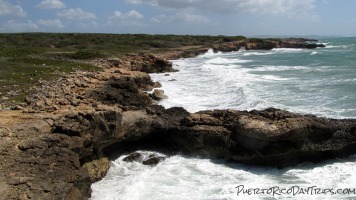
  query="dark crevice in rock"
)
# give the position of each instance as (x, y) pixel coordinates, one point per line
(65, 131)
(103, 115)
(158, 141)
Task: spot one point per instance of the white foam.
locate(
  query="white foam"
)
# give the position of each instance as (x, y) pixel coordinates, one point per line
(314, 53)
(272, 68)
(222, 81)
(227, 80)
(337, 46)
(250, 53)
(288, 50)
(274, 78)
(273, 51)
(178, 177)
(210, 53)
(224, 61)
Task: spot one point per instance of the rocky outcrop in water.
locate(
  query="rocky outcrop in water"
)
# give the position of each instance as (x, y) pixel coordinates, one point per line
(151, 159)
(147, 63)
(257, 44)
(58, 143)
(268, 137)
(248, 44)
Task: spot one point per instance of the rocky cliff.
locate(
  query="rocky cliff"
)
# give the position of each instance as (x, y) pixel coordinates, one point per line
(56, 145)
(248, 44)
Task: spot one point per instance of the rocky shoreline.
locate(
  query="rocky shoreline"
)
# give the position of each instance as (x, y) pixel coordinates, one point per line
(58, 142)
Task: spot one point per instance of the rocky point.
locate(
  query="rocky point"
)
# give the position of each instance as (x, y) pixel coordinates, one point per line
(58, 143)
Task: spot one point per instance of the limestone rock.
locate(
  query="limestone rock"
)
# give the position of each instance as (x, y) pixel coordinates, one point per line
(148, 63)
(158, 95)
(135, 156)
(153, 160)
(97, 169)
(57, 146)
(150, 159)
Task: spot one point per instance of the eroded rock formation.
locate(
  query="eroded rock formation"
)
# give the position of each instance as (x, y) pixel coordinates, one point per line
(58, 144)
(248, 44)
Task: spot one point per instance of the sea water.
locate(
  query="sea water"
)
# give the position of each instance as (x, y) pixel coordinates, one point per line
(318, 81)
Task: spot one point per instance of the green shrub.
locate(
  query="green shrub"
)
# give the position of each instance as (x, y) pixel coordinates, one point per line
(16, 52)
(86, 54)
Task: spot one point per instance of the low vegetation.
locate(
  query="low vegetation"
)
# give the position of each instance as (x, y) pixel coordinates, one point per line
(26, 58)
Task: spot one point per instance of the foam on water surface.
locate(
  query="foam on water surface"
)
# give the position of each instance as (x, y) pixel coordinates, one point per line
(319, 82)
(287, 78)
(180, 177)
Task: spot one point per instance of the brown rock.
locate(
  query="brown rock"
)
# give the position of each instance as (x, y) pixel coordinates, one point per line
(48, 102)
(153, 160)
(97, 169)
(58, 156)
(148, 63)
(158, 95)
(17, 107)
(135, 156)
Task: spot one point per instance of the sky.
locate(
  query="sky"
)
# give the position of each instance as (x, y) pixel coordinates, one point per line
(193, 17)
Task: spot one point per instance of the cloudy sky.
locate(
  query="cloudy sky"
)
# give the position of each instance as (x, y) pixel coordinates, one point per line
(203, 17)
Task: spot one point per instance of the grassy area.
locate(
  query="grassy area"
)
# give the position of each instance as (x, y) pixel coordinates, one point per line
(22, 68)
(108, 43)
(26, 58)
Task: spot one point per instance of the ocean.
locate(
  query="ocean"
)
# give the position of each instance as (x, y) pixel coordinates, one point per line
(320, 82)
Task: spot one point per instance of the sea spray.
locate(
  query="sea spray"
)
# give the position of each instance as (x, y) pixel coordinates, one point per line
(180, 177)
(320, 82)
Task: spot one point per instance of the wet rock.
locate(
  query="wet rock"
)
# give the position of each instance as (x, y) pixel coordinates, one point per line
(158, 95)
(269, 137)
(153, 159)
(157, 85)
(135, 156)
(58, 155)
(150, 159)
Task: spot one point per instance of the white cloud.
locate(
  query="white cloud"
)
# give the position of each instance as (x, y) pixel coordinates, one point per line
(181, 17)
(189, 17)
(159, 18)
(276, 7)
(131, 19)
(50, 23)
(89, 25)
(169, 3)
(29, 25)
(14, 26)
(131, 15)
(7, 8)
(51, 4)
(76, 14)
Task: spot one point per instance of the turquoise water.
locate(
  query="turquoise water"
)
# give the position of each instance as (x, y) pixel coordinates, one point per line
(320, 81)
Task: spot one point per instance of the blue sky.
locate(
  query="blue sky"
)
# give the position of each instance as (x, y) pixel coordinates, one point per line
(202, 17)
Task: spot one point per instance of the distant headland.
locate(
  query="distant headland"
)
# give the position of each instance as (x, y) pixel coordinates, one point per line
(73, 100)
